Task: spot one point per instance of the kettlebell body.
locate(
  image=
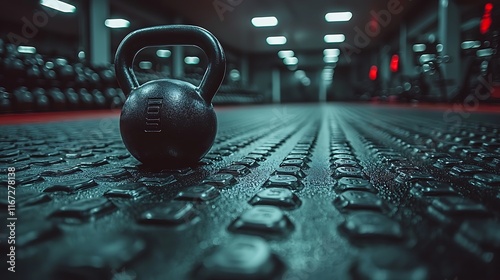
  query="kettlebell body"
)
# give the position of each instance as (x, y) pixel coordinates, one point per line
(168, 122)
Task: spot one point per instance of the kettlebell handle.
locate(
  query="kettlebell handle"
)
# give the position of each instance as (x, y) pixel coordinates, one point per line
(171, 35)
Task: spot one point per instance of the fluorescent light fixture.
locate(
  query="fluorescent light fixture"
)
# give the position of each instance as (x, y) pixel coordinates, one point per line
(285, 53)
(117, 23)
(234, 75)
(59, 6)
(306, 81)
(484, 52)
(331, 52)
(419, 47)
(327, 74)
(61, 61)
(338, 16)
(439, 47)
(290, 60)
(470, 45)
(81, 55)
(26, 49)
(192, 60)
(328, 70)
(264, 21)
(163, 53)
(327, 77)
(299, 74)
(276, 40)
(334, 38)
(145, 65)
(330, 59)
(426, 58)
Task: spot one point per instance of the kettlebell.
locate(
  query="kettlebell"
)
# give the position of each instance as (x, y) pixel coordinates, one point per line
(168, 122)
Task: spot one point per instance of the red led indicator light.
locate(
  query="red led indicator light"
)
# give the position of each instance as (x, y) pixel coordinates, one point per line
(394, 63)
(373, 73)
(485, 24)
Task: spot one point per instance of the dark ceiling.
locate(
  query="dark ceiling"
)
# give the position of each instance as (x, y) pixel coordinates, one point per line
(302, 22)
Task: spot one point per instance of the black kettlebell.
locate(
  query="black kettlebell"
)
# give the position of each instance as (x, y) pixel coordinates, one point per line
(167, 122)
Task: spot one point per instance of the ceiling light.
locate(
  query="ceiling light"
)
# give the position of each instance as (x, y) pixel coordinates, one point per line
(61, 61)
(327, 74)
(484, 52)
(59, 6)
(192, 60)
(235, 75)
(439, 47)
(331, 52)
(425, 58)
(330, 59)
(419, 47)
(264, 21)
(163, 53)
(276, 40)
(306, 81)
(26, 49)
(117, 23)
(327, 77)
(145, 65)
(285, 53)
(299, 74)
(290, 60)
(81, 55)
(338, 16)
(470, 44)
(328, 71)
(334, 38)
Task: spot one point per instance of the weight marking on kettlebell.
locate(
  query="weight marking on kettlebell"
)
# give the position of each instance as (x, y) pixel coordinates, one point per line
(153, 115)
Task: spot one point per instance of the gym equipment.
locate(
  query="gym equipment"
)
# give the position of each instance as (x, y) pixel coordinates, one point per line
(169, 122)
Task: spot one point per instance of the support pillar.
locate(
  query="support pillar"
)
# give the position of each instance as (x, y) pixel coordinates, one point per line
(178, 61)
(244, 72)
(100, 39)
(276, 86)
(449, 36)
(405, 62)
(383, 67)
(322, 90)
(178, 57)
